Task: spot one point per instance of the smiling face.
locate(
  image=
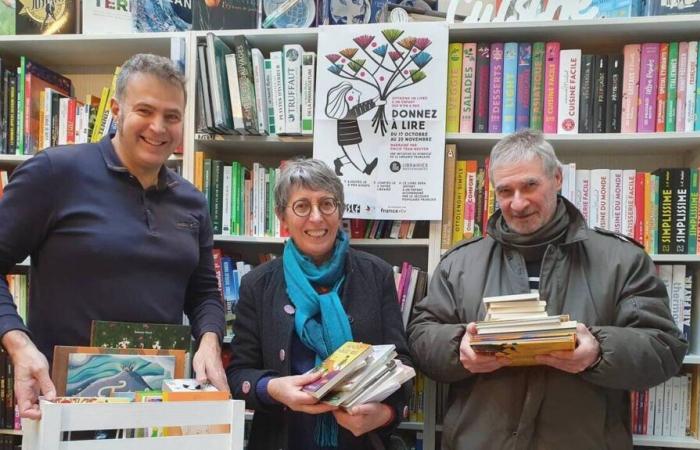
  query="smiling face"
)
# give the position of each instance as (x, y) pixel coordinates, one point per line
(526, 195)
(149, 123)
(314, 235)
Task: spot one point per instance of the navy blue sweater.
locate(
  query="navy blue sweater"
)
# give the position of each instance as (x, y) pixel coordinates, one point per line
(104, 248)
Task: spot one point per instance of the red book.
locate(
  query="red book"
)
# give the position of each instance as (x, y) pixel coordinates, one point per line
(551, 87)
(496, 88)
(481, 93)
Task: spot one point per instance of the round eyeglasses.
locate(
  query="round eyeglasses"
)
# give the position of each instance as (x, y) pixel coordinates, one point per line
(327, 206)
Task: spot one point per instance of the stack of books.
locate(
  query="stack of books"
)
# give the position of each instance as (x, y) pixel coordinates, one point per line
(518, 327)
(358, 373)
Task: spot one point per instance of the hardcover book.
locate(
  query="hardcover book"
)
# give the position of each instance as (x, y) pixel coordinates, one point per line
(496, 88)
(110, 334)
(522, 104)
(482, 83)
(162, 15)
(106, 17)
(510, 80)
(45, 17)
(224, 14)
(600, 93)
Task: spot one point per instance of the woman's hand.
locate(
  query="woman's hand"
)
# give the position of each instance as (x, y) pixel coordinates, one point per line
(362, 419)
(287, 390)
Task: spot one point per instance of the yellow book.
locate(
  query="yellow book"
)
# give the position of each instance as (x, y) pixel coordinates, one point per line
(337, 367)
(199, 170)
(454, 87)
(522, 352)
(448, 194)
(460, 190)
(104, 98)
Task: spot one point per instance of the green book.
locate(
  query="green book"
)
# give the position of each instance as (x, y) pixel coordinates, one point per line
(206, 183)
(537, 86)
(19, 149)
(217, 184)
(672, 86)
(110, 334)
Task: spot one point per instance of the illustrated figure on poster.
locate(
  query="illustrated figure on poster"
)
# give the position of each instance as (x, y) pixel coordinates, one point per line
(343, 104)
(49, 9)
(386, 67)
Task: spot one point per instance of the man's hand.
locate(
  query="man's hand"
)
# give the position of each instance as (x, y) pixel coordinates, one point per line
(586, 353)
(31, 373)
(362, 419)
(207, 362)
(476, 362)
(287, 390)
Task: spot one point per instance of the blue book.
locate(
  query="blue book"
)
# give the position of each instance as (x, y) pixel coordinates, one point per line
(510, 81)
(227, 269)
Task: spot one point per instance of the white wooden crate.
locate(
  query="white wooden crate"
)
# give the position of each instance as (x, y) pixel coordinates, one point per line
(46, 433)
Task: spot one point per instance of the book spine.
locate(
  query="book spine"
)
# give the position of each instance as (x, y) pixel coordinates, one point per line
(628, 206)
(270, 104)
(70, 121)
(277, 84)
(466, 120)
(454, 79)
(537, 86)
(600, 198)
(649, 217)
(469, 200)
(308, 70)
(681, 85)
(551, 87)
(246, 83)
(648, 83)
(630, 87)
(691, 85)
(586, 104)
(696, 125)
(665, 213)
(479, 201)
(616, 200)
(569, 84)
(460, 190)
(496, 88)
(510, 81)
(693, 213)
(217, 181)
(661, 86)
(42, 118)
(613, 103)
(448, 195)
(260, 93)
(226, 201)
(672, 86)
(522, 104)
(481, 93)
(583, 193)
(19, 130)
(292, 87)
(639, 207)
(234, 94)
(63, 121)
(681, 188)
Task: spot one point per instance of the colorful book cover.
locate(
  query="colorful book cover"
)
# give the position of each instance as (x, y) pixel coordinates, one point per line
(569, 85)
(510, 82)
(470, 200)
(522, 103)
(693, 213)
(551, 87)
(460, 192)
(110, 334)
(648, 85)
(661, 86)
(481, 94)
(454, 81)
(630, 87)
(672, 86)
(466, 120)
(224, 14)
(337, 367)
(496, 88)
(639, 206)
(537, 86)
(45, 17)
(681, 85)
(665, 211)
(163, 15)
(7, 18)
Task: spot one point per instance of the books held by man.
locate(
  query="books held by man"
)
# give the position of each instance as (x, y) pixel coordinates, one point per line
(358, 373)
(518, 327)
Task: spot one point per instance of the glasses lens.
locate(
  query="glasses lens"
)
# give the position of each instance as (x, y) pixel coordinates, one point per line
(327, 206)
(301, 208)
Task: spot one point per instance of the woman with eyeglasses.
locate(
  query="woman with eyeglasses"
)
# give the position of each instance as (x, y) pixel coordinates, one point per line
(296, 310)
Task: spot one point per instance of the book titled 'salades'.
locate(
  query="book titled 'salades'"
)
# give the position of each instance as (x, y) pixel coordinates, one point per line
(45, 16)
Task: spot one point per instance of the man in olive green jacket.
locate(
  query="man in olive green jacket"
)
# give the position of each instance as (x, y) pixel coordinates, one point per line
(626, 337)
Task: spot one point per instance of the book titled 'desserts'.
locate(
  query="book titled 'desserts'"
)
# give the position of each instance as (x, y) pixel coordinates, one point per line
(518, 327)
(359, 373)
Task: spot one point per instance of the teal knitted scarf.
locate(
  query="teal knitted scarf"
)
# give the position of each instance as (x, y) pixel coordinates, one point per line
(320, 320)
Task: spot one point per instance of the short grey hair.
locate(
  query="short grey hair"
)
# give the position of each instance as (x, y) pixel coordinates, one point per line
(146, 63)
(525, 145)
(311, 174)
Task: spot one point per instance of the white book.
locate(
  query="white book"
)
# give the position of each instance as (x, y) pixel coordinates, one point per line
(600, 198)
(628, 205)
(308, 91)
(583, 193)
(276, 220)
(683, 421)
(234, 93)
(678, 294)
(616, 200)
(63, 121)
(569, 87)
(665, 273)
(676, 403)
(659, 410)
(668, 407)
(260, 90)
(277, 90)
(255, 206)
(226, 199)
(691, 83)
(261, 200)
(407, 305)
(106, 17)
(572, 182)
(271, 127)
(292, 87)
(651, 399)
(48, 98)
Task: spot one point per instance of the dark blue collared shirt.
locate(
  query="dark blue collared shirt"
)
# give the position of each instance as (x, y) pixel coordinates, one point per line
(102, 247)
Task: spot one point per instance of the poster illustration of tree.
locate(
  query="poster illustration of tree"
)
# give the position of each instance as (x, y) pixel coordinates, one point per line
(380, 116)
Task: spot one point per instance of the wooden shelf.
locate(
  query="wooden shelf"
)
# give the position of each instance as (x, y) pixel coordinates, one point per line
(666, 441)
(599, 144)
(86, 50)
(601, 34)
(354, 242)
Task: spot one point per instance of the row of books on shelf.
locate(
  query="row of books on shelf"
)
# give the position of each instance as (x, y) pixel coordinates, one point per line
(678, 279)
(242, 92)
(229, 272)
(37, 109)
(669, 409)
(503, 87)
(659, 210)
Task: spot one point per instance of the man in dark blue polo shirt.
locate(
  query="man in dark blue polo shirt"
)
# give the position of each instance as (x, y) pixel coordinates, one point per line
(113, 234)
